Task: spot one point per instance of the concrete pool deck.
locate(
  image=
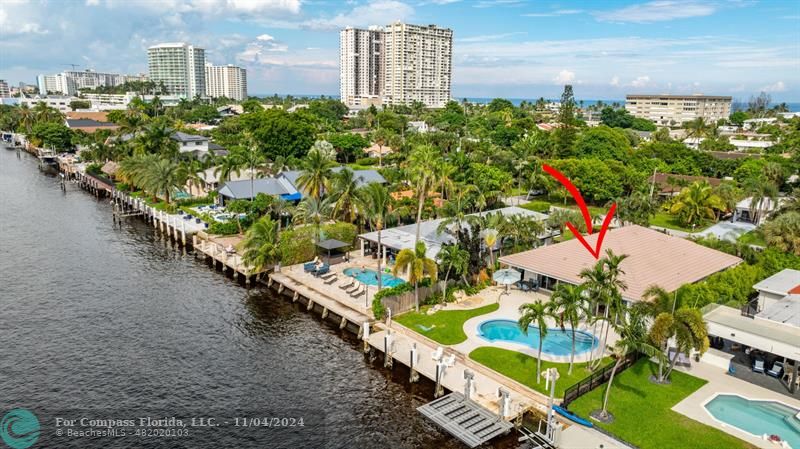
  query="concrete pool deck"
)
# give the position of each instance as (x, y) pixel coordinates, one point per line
(509, 310)
(720, 382)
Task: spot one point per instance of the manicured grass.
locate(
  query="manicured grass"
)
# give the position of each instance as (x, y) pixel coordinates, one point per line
(522, 368)
(643, 416)
(540, 201)
(444, 326)
(752, 238)
(666, 220)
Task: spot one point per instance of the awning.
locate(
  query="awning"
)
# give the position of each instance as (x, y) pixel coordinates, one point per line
(330, 244)
(766, 335)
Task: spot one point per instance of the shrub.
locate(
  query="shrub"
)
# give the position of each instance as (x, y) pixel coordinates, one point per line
(226, 228)
(377, 308)
(537, 206)
(367, 161)
(94, 169)
(122, 186)
(199, 201)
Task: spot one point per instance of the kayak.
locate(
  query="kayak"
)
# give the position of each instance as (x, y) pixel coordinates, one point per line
(572, 417)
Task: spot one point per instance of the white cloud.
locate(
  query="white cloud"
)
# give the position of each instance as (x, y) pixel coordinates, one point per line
(558, 12)
(614, 81)
(92, 2)
(564, 77)
(376, 12)
(265, 37)
(490, 37)
(641, 81)
(775, 87)
(657, 11)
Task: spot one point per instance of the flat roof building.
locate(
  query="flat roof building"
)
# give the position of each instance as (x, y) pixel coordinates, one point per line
(226, 81)
(180, 66)
(673, 110)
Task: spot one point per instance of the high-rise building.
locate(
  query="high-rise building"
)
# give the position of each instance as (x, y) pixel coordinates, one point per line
(360, 66)
(226, 81)
(180, 66)
(70, 82)
(4, 92)
(419, 61)
(397, 64)
(47, 84)
(668, 110)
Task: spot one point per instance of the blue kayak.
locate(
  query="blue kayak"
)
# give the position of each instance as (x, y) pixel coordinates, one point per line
(572, 417)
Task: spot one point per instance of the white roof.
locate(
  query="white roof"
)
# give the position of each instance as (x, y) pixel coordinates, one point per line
(765, 204)
(780, 283)
(784, 311)
(767, 335)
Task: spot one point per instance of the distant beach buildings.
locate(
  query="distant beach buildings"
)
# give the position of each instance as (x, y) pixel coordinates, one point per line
(671, 110)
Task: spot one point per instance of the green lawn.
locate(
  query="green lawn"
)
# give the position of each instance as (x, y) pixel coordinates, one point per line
(666, 220)
(643, 416)
(444, 326)
(753, 238)
(522, 368)
(537, 203)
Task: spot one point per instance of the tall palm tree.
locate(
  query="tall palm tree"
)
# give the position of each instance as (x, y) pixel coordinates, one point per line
(658, 301)
(536, 312)
(313, 211)
(783, 232)
(376, 208)
(455, 209)
(696, 202)
(633, 338)
(421, 163)
(163, 177)
(418, 264)
(260, 244)
(27, 117)
(228, 166)
(255, 161)
(762, 192)
(157, 139)
(490, 238)
(688, 330)
(316, 174)
(45, 113)
(195, 174)
(454, 258)
(569, 304)
(343, 194)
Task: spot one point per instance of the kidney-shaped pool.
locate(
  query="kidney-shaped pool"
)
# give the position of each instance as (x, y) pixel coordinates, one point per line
(557, 342)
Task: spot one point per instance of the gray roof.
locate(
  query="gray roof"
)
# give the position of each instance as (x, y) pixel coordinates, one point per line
(780, 283)
(362, 176)
(268, 186)
(183, 137)
(786, 311)
(330, 244)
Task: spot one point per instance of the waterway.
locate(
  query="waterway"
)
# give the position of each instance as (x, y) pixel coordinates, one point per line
(99, 321)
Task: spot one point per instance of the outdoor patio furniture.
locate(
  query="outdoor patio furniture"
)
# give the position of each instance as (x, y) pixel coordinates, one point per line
(436, 355)
(358, 292)
(777, 370)
(309, 266)
(331, 280)
(450, 360)
(327, 276)
(758, 366)
(349, 285)
(353, 289)
(197, 220)
(322, 270)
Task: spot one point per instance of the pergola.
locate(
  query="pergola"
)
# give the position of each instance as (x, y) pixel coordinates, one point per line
(331, 244)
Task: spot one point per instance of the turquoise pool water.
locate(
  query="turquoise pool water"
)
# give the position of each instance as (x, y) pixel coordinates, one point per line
(556, 342)
(370, 277)
(757, 417)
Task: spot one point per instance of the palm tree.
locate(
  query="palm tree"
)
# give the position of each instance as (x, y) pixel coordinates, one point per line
(376, 207)
(658, 301)
(157, 140)
(195, 174)
(421, 163)
(490, 237)
(783, 232)
(418, 265)
(603, 284)
(255, 161)
(260, 244)
(569, 304)
(635, 209)
(27, 117)
(687, 328)
(312, 211)
(536, 312)
(454, 258)
(229, 165)
(455, 209)
(696, 202)
(316, 174)
(762, 193)
(163, 177)
(343, 194)
(45, 113)
(633, 338)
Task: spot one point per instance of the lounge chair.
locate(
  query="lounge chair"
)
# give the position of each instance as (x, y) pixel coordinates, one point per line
(353, 289)
(758, 366)
(349, 285)
(777, 370)
(309, 267)
(327, 275)
(358, 292)
(331, 280)
(322, 270)
(437, 355)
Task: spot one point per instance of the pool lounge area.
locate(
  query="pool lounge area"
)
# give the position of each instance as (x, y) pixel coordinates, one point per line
(556, 342)
(760, 418)
(370, 277)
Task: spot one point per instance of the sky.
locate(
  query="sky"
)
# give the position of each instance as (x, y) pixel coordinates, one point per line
(502, 48)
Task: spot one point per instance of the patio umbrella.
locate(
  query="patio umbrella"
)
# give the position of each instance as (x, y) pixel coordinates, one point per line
(507, 276)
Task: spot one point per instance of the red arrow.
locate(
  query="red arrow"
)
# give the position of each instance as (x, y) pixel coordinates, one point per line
(576, 194)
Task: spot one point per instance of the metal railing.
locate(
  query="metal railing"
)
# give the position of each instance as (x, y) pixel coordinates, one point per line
(596, 379)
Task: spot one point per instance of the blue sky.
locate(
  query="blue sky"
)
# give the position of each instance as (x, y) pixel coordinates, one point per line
(509, 48)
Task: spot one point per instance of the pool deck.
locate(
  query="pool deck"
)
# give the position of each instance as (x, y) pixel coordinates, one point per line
(509, 310)
(719, 382)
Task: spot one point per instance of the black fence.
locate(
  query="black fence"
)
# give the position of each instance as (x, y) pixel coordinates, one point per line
(597, 378)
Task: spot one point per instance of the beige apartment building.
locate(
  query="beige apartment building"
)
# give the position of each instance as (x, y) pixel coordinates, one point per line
(226, 81)
(671, 110)
(396, 64)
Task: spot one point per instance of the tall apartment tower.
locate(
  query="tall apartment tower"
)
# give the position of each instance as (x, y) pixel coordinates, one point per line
(226, 81)
(419, 64)
(180, 66)
(360, 66)
(398, 64)
(4, 92)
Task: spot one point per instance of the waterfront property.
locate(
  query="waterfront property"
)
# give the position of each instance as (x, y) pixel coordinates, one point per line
(652, 260)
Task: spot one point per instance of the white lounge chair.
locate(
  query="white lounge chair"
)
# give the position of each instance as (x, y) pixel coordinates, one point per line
(450, 360)
(437, 355)
(758, 366)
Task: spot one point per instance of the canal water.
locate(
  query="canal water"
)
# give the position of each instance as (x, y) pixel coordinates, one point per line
(105, 322)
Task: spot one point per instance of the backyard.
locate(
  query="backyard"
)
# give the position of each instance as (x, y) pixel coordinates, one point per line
(667, 220)
(643, 412)
(444, 326)
(522, 368)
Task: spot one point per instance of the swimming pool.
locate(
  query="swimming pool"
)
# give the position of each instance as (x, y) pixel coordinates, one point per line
(556, 342)
(370, 277)
(757, 417)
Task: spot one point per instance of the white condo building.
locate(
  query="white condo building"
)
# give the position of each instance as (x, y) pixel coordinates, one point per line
(670, 110)
(4, 92)
(180, 66)
(70, 82)
(226, 81)
(397, 64)
(360, 66)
